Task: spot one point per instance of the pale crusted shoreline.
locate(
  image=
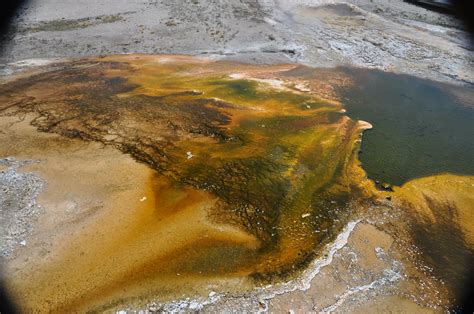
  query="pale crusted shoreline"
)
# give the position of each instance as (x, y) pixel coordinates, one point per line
(377, 277)
(263, 295)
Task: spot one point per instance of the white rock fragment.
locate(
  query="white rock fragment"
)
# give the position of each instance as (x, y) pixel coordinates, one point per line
(305, 215)
(237, 76)
(379, 252)
(365, 125)
(303, 87)
(31, 62)
(23, 243)
(270, 21)
(189, 155)
(143, 199)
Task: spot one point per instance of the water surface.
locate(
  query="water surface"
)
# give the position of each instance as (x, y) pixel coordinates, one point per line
(420, 127)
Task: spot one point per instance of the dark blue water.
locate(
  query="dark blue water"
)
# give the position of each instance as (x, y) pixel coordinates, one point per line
(420, 127)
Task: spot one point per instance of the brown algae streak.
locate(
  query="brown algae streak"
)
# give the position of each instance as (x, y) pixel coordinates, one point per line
(268, 175)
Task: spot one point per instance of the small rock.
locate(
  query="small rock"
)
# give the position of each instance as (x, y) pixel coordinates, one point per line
(189, 155)
(386, 186)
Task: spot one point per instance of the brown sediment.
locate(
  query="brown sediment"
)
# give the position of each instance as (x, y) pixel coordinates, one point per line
(231, 182)
(441, 211)
(453, 205)
(110, 224)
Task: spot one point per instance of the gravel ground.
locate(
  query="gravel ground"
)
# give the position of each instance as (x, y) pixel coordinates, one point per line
(18, 207)
(382, 34)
